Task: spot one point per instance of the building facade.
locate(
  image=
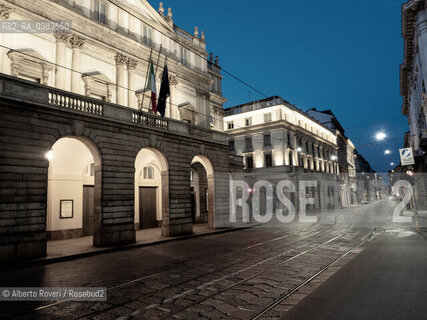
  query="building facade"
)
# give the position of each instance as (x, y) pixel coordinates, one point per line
(279, 141)
(413, 78)
(345, 154)
(82, 153)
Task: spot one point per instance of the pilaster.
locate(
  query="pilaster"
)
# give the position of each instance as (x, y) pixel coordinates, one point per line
(77, 44)
(120, 78)
(60, 73)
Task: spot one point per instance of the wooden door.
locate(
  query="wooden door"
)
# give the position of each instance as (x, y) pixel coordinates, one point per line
(147, 207)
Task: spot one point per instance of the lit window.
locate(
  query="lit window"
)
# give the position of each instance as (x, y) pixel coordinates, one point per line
(99, 12)
(267, 117)
(148, 173)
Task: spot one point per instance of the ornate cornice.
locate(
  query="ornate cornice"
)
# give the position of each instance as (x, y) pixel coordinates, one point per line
(4, 12)
(77, 42)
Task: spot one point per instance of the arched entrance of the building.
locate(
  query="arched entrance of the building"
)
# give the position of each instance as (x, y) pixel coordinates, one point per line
(203, 189)
(73, 198)
(151, 190)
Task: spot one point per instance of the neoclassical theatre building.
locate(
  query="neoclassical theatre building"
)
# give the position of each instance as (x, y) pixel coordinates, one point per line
(81, 152)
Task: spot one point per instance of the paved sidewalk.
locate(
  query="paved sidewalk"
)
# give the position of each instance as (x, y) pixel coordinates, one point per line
(64, 250)
(69, 247)
(386, 281)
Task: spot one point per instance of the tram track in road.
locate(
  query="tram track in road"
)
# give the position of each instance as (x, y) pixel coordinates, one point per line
(136, 281)
(289, 293)
(222, 269)
(246, 279)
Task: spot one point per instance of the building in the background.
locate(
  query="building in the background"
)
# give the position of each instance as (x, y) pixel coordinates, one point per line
(413, 79)
(82, 152)
(351, 184)
(366, 180)
(345, 154)
(279, 141)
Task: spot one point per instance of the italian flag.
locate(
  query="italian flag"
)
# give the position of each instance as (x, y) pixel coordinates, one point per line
(151, 85)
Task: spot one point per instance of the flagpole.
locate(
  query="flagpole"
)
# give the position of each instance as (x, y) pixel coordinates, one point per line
(166, 59)
(146, 79)
(157, 65)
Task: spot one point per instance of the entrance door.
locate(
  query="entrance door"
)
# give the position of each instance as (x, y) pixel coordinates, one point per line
(147, 207)
(88, 210)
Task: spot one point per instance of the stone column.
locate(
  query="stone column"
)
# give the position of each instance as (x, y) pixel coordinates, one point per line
(76, 77)
(4, 15)
(61, 44)
(120, 78)
(131, 65)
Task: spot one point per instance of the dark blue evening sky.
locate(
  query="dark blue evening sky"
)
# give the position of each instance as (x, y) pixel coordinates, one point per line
(330, 54)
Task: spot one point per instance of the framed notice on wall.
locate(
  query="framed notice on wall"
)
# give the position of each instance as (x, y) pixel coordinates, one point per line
(66, 209)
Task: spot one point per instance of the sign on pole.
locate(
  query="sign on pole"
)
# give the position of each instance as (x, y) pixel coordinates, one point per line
(406, 157)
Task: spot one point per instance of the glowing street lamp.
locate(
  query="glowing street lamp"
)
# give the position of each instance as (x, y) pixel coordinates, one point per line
(380, 136)
(299, 149)
(333, 157)
(392, 163)
(387, 152)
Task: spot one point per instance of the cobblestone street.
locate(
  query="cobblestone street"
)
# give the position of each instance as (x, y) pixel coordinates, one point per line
(254, 273)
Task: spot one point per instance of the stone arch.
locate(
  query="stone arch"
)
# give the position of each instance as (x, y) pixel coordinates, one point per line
(210, 173)
(68, 157)
(151, 156)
